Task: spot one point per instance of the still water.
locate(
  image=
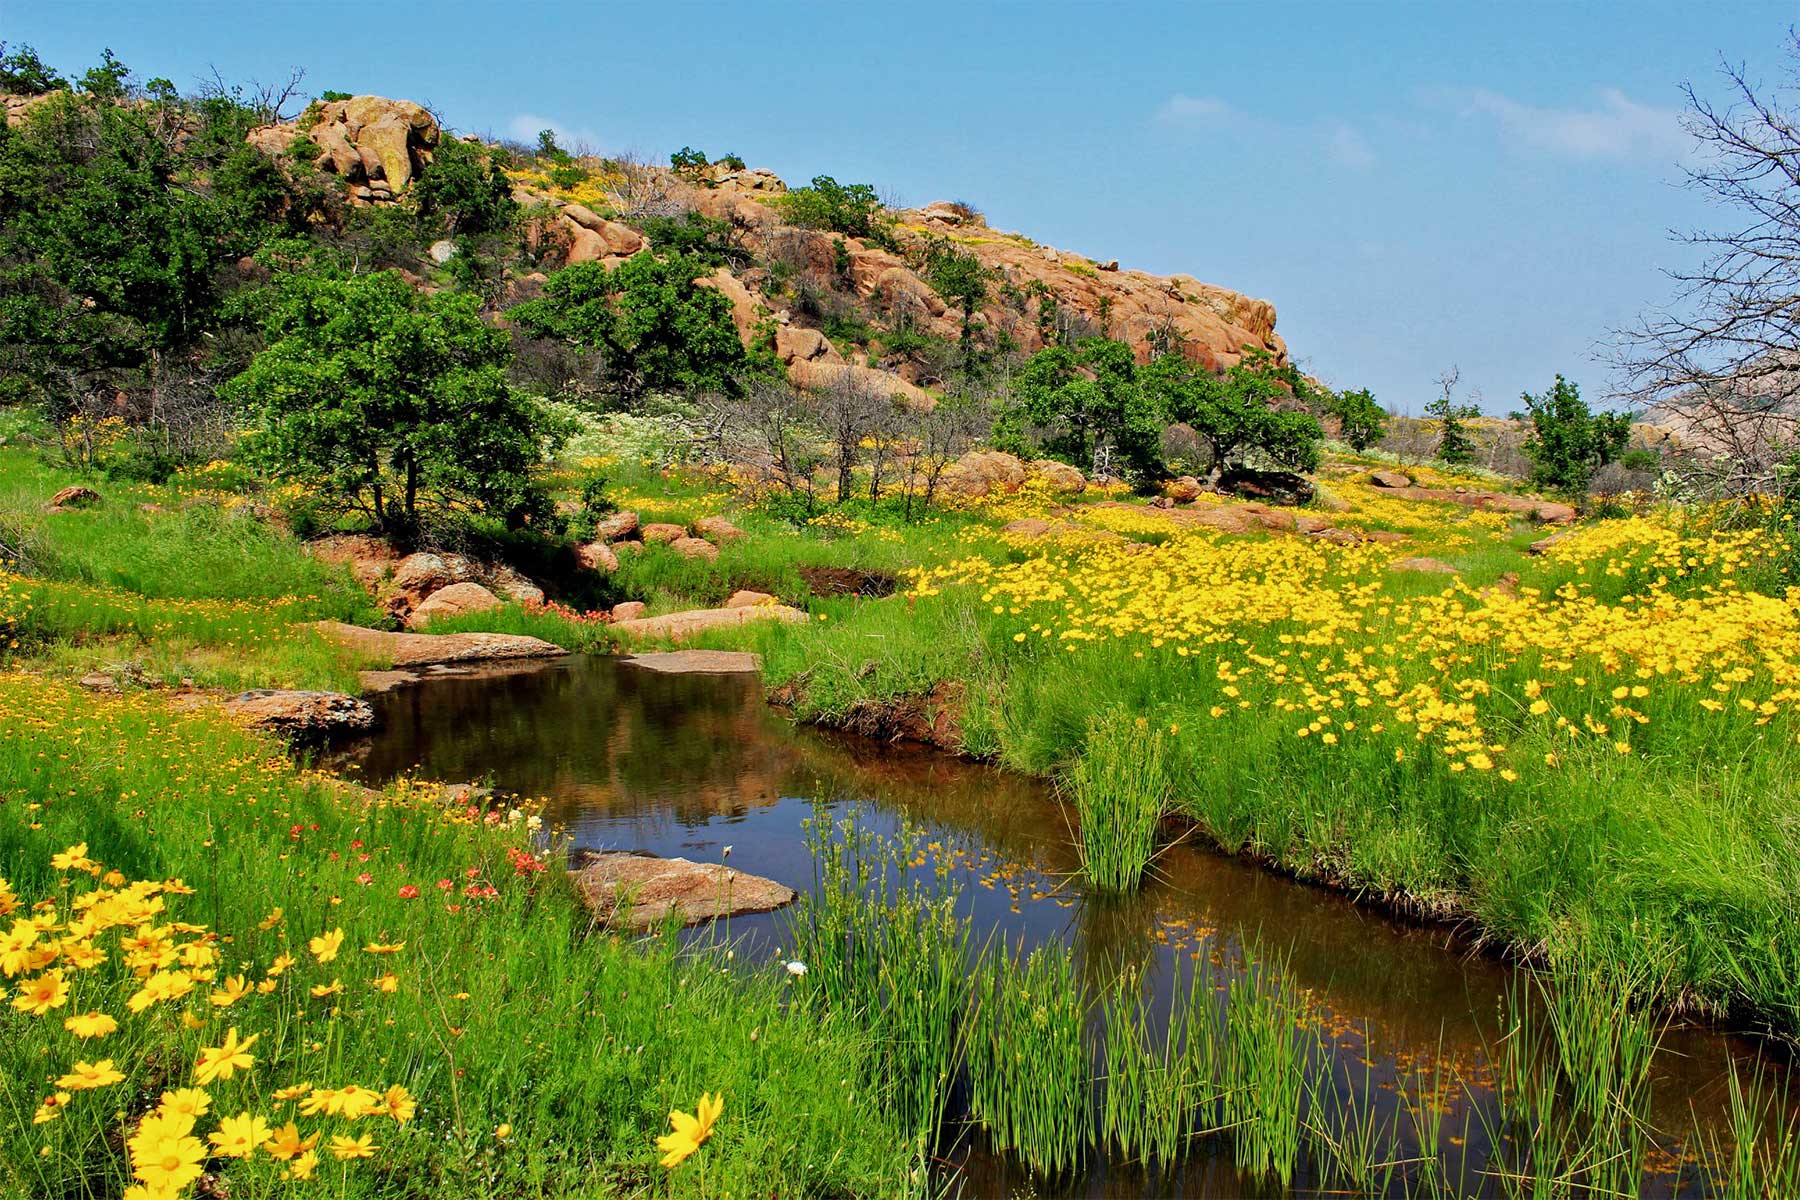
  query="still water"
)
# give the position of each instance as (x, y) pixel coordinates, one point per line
(687, 765)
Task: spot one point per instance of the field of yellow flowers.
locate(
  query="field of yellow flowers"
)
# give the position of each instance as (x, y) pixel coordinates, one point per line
(1587, 755)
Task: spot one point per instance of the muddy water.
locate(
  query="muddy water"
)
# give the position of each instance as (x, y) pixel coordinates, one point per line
(688, 765)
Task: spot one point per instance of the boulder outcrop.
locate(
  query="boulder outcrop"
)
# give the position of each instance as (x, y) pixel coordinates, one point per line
(302, 715)
(376, 145)
(427, 649)
(456, 600)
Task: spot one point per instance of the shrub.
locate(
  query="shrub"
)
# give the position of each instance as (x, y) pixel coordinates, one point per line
(851, 209)
(1568, 441)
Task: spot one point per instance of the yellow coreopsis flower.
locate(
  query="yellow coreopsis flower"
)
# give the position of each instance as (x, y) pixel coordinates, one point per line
(302, 1167)
(191, 1103)
(90, 1025)
(234, 989)
(169, 1164)
(286, 1143)
(239, 1136)
(223, 1061)
(85, 1075)
(690, 1132)
(325, 947)
(345, 1148)
(39, 995)
(399, 1104)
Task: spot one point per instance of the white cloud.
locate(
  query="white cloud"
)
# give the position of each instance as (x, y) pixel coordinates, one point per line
(525, 128)
(1347, 147)
(1195, 112)
(1617, 128)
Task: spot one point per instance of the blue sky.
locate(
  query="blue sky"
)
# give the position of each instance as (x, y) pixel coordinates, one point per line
(1412, 185)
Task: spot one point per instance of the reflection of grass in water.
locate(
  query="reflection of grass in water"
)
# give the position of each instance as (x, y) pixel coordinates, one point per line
(1240, 1054)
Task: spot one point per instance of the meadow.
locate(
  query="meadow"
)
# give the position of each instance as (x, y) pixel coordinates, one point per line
(1583, 757)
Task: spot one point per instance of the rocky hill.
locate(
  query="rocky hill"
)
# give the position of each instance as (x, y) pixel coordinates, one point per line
(380, 147)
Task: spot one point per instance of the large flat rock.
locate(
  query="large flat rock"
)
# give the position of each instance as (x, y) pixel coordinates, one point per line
(680, 625)
(698, 662)
(637, 892)
(299, 714)
(424, 649)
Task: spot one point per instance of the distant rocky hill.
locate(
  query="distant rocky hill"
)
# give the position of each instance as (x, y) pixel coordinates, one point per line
(381, 146)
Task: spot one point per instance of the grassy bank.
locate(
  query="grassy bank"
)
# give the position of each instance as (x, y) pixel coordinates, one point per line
(1594, 762)
(203, 883)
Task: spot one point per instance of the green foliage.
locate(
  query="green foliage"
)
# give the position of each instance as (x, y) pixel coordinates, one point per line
(1120, 788)
(1237, 415)
(547, 147)
(464, 191)
(652, 326)
(1568, 441)
(392, 402)
(688, 161)
(1361, 421)
(23, 73)
(331, 96)
(958, 276)
(108, 81)
(851, 209)
(1455, 447)
(569, 175)
(695, 236)
(733, 161)
(1088, 398)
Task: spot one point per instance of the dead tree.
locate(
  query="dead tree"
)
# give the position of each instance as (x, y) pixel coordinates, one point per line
(1721, 363)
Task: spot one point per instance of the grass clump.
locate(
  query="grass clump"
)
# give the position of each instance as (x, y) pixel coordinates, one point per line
(1030, 1065)
(1120, 790)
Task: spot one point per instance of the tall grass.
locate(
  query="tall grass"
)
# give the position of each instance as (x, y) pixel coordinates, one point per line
(1030, 1066)
(1265, 1071)
(1120, 790)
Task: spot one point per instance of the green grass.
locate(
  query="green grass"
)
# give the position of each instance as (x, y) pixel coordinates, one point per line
(1120, 789)
(509, 1010)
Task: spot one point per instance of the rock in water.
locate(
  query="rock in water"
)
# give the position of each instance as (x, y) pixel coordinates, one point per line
(300, 714)
(637, 892)
(422, 649)
(698, 662)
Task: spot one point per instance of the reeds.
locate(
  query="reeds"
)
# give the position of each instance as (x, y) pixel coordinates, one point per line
(1120, 789)
(1029, 1062)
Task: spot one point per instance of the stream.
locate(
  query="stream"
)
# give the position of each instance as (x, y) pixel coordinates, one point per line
(688, 765)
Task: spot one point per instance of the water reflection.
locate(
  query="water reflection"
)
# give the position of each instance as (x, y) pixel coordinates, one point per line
(686, 765)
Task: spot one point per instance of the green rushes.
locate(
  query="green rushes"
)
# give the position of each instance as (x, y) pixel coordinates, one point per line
(1029, 1065)
(1120, 789)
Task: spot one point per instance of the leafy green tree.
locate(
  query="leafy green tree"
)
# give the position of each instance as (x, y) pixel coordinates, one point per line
(1088, 397)
(111, 80)
(851, 209)
(465, 191)
(1455, 446)
(1361, 421)
(689, 161)
(653, 326)
(1237, 415)
(23, 73)
(958, 276)
(695, 235)
(1568, 441)
(92, 198)
(393, 402)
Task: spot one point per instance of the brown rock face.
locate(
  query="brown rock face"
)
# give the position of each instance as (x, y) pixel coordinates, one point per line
(637, 892)
(1547, 512)
(379, 146)
(1059, 475)
(663, 532)
(717, 529)
(628, 610)
(615, 526)
(982, 473)
(1026, 527)
(1183, 490)
(1390, 479)
(698, 662)
(676, 626)
(369, 558)
(429, 649)
(1426, 566)
(459, 599)
(597, 556)
(748, 599)
(300, 714)
(693, 547)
